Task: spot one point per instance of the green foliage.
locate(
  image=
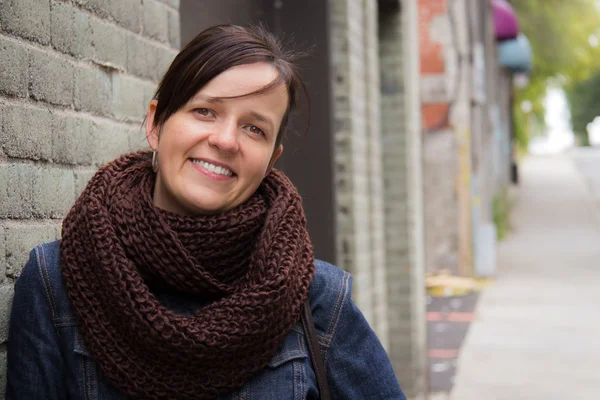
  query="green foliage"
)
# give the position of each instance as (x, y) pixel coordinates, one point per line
(584, 98)
(559, 33)
(521, 134)
(501, 208)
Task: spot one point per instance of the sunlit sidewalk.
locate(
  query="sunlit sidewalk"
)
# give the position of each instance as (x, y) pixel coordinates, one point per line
(536, 331)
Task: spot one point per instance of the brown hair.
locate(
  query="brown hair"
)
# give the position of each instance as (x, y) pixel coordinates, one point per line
(217, 49)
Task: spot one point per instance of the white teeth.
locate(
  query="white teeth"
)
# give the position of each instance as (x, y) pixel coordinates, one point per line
(213, 168)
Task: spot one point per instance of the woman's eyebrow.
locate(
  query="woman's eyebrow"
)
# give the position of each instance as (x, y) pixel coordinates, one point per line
(208, 99)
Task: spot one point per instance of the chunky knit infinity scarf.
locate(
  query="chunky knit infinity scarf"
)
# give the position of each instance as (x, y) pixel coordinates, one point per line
(251, 265)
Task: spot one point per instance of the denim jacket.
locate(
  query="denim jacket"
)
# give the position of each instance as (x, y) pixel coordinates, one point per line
(47, 358)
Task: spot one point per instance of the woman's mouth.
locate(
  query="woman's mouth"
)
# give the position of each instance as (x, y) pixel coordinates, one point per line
(214, 169)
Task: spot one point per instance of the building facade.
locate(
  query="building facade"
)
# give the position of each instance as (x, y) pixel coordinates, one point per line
(404, 151)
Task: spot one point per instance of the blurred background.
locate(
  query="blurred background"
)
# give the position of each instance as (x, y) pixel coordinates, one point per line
(448, 163)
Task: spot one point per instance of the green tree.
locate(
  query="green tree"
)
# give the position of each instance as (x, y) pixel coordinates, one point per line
(563, 54)
(584, 99)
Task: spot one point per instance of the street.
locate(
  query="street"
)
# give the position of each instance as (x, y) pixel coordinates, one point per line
(535, 332)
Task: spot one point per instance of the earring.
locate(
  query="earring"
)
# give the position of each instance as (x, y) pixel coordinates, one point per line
(155, 161)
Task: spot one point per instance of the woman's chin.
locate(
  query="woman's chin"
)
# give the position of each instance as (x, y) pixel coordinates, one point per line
(208, 206)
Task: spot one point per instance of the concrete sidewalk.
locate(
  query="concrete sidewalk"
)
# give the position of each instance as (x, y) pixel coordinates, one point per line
(536, 330)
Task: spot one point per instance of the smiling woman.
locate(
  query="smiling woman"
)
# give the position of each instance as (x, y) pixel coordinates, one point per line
(219, 146)
(184, 273)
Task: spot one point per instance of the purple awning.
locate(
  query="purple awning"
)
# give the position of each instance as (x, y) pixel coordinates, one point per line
(505, 20)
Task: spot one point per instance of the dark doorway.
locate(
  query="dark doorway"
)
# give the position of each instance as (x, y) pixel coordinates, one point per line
(308, 154)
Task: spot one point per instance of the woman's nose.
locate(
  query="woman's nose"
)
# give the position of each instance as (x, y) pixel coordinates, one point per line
(225, 137)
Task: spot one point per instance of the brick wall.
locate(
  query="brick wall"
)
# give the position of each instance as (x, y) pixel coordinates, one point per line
(460, 119)
(360, 246)
(440, 169)
(375, 171)
(498, 85)
(378, 181)
(439, 39)
(402, 160)
(75, 80)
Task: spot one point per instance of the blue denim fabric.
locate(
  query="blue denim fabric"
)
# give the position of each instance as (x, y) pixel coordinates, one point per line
(47, 358)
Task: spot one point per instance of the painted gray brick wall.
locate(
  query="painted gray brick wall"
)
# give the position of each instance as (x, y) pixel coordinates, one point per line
(357, 155)
(440, 171)
(375, 170)
(75, 79)
(378, 158)
(402, 160)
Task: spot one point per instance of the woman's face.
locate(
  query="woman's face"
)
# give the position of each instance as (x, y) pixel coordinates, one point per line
(214, 152)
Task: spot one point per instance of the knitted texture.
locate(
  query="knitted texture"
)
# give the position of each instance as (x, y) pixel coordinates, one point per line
(253, 265)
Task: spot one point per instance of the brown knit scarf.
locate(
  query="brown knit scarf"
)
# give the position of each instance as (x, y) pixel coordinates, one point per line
(252, 265)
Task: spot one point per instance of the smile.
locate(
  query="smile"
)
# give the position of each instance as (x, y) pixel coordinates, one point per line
(213, 168)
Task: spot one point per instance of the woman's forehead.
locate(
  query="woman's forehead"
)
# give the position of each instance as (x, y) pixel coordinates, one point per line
(241, 80)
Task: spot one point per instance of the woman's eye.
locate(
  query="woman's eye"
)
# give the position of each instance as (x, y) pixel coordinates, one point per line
(205, 112)
(255, 129)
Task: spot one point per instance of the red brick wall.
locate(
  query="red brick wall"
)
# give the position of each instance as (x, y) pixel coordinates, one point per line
(435, 115)
(432, 59)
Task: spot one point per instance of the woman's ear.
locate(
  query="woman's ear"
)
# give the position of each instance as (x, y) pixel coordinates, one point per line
(274, 157)
(151, 129)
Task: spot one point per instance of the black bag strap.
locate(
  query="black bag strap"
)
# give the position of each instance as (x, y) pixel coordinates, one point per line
(315, 351)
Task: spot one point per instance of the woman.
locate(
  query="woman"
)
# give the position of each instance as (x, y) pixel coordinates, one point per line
(181, 273)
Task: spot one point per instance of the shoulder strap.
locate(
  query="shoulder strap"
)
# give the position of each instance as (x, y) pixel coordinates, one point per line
(315, 352)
